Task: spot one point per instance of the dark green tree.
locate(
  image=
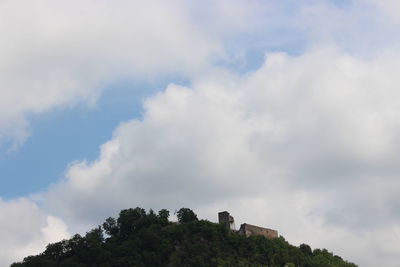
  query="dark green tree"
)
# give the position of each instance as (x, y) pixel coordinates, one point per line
(110, 227)
(140, 238)
(186, 215)
(164, 216)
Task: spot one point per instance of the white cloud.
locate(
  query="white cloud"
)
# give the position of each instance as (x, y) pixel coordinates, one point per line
(58, 54)
(26, 230)
(390, 8)
(306, 144)
(61, 53)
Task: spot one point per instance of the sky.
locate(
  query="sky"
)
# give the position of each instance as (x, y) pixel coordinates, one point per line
(283, 112)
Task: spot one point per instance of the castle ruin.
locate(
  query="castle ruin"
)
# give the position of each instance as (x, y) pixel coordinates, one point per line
(246, 229)
(225, 218)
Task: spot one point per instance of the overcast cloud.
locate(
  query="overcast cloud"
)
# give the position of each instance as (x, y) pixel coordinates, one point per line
(25, 228)
(306, 144)
(305, 140)
(62, 53)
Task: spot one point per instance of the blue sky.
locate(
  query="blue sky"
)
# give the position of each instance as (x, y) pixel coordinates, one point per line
(213, 105)
(66, 135)
(70, 134)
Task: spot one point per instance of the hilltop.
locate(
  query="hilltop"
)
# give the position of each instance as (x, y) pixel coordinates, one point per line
(140, 238)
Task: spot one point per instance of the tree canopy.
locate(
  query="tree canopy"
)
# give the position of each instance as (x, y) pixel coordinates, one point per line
(140, 238)
(186, 215)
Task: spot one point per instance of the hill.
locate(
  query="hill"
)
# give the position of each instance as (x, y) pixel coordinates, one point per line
(140, 238)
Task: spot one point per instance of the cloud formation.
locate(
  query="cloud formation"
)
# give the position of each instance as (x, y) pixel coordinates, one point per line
(57, 54)
(306, 143)
(26, 229)
(309, 142)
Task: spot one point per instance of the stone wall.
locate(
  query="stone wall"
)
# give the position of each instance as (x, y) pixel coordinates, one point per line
(226, 219)
(252, 230)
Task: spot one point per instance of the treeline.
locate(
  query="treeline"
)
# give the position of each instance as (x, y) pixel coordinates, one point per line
(140, 238)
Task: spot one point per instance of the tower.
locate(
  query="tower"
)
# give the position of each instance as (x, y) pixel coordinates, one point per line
(226, 219)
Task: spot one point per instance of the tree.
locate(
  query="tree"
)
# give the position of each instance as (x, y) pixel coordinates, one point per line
(143, 239)
(186, 215)
(55, 251)
(163, 215)
(130, 220)
(110, 227)
(306, 249)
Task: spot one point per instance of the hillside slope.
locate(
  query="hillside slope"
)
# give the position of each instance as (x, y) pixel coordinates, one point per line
(140, 238)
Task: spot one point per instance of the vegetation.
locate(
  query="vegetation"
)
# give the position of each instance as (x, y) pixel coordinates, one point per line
(140, 238)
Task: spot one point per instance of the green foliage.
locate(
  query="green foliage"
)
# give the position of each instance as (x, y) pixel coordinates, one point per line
(186, 215)
(140, 238)
(164, 216)
(110, 227)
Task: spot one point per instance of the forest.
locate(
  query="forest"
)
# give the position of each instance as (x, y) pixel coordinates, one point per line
(146, 238)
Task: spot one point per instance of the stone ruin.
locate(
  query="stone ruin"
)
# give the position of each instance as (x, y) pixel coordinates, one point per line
(226, 219)
(246, 229)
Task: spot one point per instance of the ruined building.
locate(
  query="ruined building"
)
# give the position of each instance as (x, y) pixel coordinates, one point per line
(225, 218)
(246, 229)
(250, 230)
